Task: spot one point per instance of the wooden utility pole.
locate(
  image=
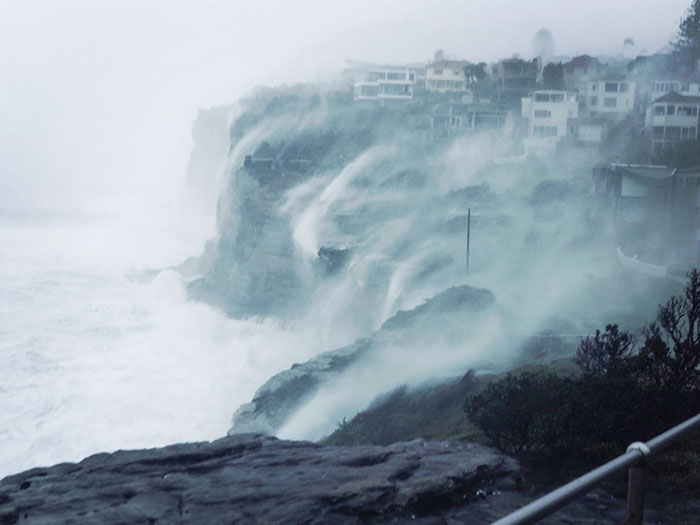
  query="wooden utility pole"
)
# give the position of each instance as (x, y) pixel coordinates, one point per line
(469, 226)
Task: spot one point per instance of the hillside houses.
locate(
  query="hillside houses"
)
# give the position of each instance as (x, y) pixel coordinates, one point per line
(640, 117)
(551, 117)
(670, 120)
(447, 75)
(609, 96)
(587, 103)
(515, 78)
(453, 119)
(386, 83)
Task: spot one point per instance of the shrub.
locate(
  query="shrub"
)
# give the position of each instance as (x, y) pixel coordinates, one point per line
(619, 398)
(519, 413)
(605, 354)
(670, 356)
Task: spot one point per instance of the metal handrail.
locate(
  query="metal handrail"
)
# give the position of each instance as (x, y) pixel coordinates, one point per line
(635, 458)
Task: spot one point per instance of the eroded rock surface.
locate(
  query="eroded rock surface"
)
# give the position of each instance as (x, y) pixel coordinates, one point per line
(258, 479)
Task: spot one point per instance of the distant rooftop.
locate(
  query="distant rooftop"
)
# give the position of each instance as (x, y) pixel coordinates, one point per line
(614, 77)
(450, 64)
(646, 172)
(582, 61)
(672, 96)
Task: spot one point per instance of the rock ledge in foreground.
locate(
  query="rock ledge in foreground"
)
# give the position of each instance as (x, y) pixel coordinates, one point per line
(253, 478)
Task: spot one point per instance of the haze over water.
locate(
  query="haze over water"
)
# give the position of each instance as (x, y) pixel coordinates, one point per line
(96, 358)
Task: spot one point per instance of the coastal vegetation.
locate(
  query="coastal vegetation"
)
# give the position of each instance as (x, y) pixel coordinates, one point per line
(624, 390)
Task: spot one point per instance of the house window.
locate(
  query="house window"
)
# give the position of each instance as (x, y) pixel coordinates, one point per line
(369, 91)
(594, 87)
(658, 132)
(412, 77)
(541, 97)
(684, 133)
(373, 76)
(557, 97)
(437, 71)
(695, 111)
(545, 131)
(396, 89)
(670, 110)
(396, 76)
(542, 113)
(611, 87)
(685, 111)
(610, 102)
(659, 110)
(685, 87)
(624, 88)
(673, 133)
(594, 101)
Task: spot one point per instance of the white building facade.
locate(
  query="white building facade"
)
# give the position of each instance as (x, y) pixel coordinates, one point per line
(671, 119)
(609, 97)
(551, 116)
(386, 83)
(446, 75)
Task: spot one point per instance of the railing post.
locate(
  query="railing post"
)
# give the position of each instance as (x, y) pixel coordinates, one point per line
(636, 484)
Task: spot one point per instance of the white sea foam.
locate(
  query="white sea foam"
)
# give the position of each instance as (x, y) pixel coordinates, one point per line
(95, 361)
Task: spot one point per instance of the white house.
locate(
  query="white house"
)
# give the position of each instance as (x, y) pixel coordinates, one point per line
(446, 75)
(386, 83)
(551, 117)
(671, 119)
(610, 96)
(659, 87)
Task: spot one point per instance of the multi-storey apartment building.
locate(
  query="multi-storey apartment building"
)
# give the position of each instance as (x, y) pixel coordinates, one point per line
(551, 116)
(671, 119)
(610, 96)
(446, 75)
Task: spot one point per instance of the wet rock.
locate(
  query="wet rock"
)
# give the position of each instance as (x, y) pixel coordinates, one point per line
(458, 298)
(281, 395)
(256, 479)
(277, 399)
(332, 259)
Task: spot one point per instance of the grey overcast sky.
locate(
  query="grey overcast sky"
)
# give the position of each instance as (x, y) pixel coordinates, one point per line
(97, 97)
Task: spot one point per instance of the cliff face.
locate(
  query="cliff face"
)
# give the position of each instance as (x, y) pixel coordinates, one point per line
(349, 221)
(210, 147)
(254, 270)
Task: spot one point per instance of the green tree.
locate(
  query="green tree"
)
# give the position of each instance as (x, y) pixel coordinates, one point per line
(688, 41)
(553, 76)
(670, 356)
(478, 80)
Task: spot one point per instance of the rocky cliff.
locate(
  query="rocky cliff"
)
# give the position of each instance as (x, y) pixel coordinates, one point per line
(349, 221)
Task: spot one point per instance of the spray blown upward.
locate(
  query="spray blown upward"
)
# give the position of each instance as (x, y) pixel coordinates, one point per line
(343, 224)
